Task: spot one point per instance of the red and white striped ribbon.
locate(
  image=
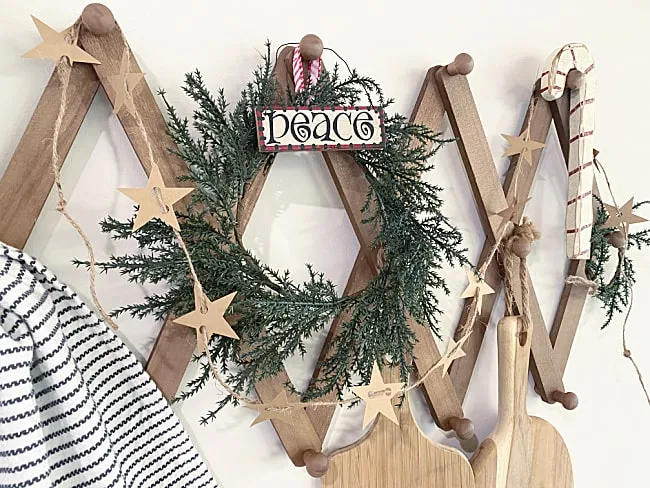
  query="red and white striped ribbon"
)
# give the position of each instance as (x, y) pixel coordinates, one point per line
(315, 67)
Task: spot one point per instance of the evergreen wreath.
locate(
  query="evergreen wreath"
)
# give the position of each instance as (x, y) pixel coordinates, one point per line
(614, 292)
(275, 314)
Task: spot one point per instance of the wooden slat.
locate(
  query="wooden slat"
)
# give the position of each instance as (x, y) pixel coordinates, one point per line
(28, 179)
(360, 275)
(474, 149)
(109, 50)
(352, 187)
(573, 298)
(298, 435)
(490, 199)
(567, 317)
(175, 345)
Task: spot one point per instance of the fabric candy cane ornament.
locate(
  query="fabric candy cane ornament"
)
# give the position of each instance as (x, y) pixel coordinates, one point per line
(315, 67)
(553, 81)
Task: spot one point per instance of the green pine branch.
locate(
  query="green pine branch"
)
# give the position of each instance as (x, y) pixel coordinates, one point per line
(614, 292)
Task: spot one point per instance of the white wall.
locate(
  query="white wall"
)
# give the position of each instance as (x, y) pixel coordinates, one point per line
(395, 43)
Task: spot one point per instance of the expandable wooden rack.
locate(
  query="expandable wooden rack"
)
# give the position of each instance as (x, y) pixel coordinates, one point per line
(28, 180)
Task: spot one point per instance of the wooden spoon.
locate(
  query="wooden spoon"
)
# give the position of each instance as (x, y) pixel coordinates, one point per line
(522, 451)
(399, 456)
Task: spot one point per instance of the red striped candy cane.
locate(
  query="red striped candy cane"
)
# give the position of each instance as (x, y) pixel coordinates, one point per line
(579, 215)
(298, 72)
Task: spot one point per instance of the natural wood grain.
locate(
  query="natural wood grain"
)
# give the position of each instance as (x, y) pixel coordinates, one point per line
(28, 179)
(439, 391)
(284, 75)
(521, 451)
(573, 298)
(547, 376)
(352, 186)
(490, 199)
(109, 50)
(474, 149)
(398, 456)
(360, 275)
(297, 436)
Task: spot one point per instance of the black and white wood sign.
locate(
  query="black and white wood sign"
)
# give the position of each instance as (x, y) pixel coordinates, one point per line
(315, 128)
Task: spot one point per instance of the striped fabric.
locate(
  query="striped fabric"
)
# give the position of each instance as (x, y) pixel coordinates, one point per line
(76, 408)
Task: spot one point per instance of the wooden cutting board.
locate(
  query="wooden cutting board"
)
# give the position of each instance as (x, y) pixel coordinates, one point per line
(522, 451)
(399, 456)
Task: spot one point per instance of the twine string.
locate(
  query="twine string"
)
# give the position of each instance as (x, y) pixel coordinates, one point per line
(64, 71)
(293, 405)
(628, 354)
(525, 231)
(592, 286)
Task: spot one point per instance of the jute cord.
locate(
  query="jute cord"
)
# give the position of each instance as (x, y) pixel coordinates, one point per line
(592, 286)
(526, 231)
(628, 354)
(64, 70)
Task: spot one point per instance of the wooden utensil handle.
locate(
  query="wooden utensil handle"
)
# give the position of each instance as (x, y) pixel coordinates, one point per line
(513, 369)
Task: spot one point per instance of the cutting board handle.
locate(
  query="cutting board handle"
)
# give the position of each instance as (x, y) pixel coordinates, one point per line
(513, 369)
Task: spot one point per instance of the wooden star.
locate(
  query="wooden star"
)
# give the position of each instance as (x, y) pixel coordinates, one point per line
(123, 85)
(378, 397)
(277, 409)
(476, 284)
(522, 145)
(55, 46)
(454, 351)
(150, 197)
(209, 315)
(622, 217)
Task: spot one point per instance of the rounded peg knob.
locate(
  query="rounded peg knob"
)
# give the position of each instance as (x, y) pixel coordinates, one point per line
(617, 239)
(98, 19)
(316, 463)
(463, 64)
(311, 47)
(569, 400)
(464, 428)
(521, 247)
(575, 79)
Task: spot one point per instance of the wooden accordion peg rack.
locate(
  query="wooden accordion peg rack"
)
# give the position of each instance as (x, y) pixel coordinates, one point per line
(549, 354)
(28, 180)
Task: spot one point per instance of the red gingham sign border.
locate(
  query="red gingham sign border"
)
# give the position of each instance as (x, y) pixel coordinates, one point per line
(318, 147)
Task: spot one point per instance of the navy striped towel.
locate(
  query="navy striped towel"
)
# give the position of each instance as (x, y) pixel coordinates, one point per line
(76, 407)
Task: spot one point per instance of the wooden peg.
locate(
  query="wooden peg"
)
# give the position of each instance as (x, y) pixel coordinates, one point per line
(98, 19)
(311, 47)
(575, 79)
(569, 400)
(463, 64)
(521, 247)
(316, 463)
(617, 239)
(464, 428)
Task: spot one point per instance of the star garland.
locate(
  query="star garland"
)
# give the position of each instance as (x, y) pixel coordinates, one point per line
(156, 201)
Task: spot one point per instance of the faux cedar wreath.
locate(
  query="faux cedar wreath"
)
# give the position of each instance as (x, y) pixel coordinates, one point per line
(23, 190)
